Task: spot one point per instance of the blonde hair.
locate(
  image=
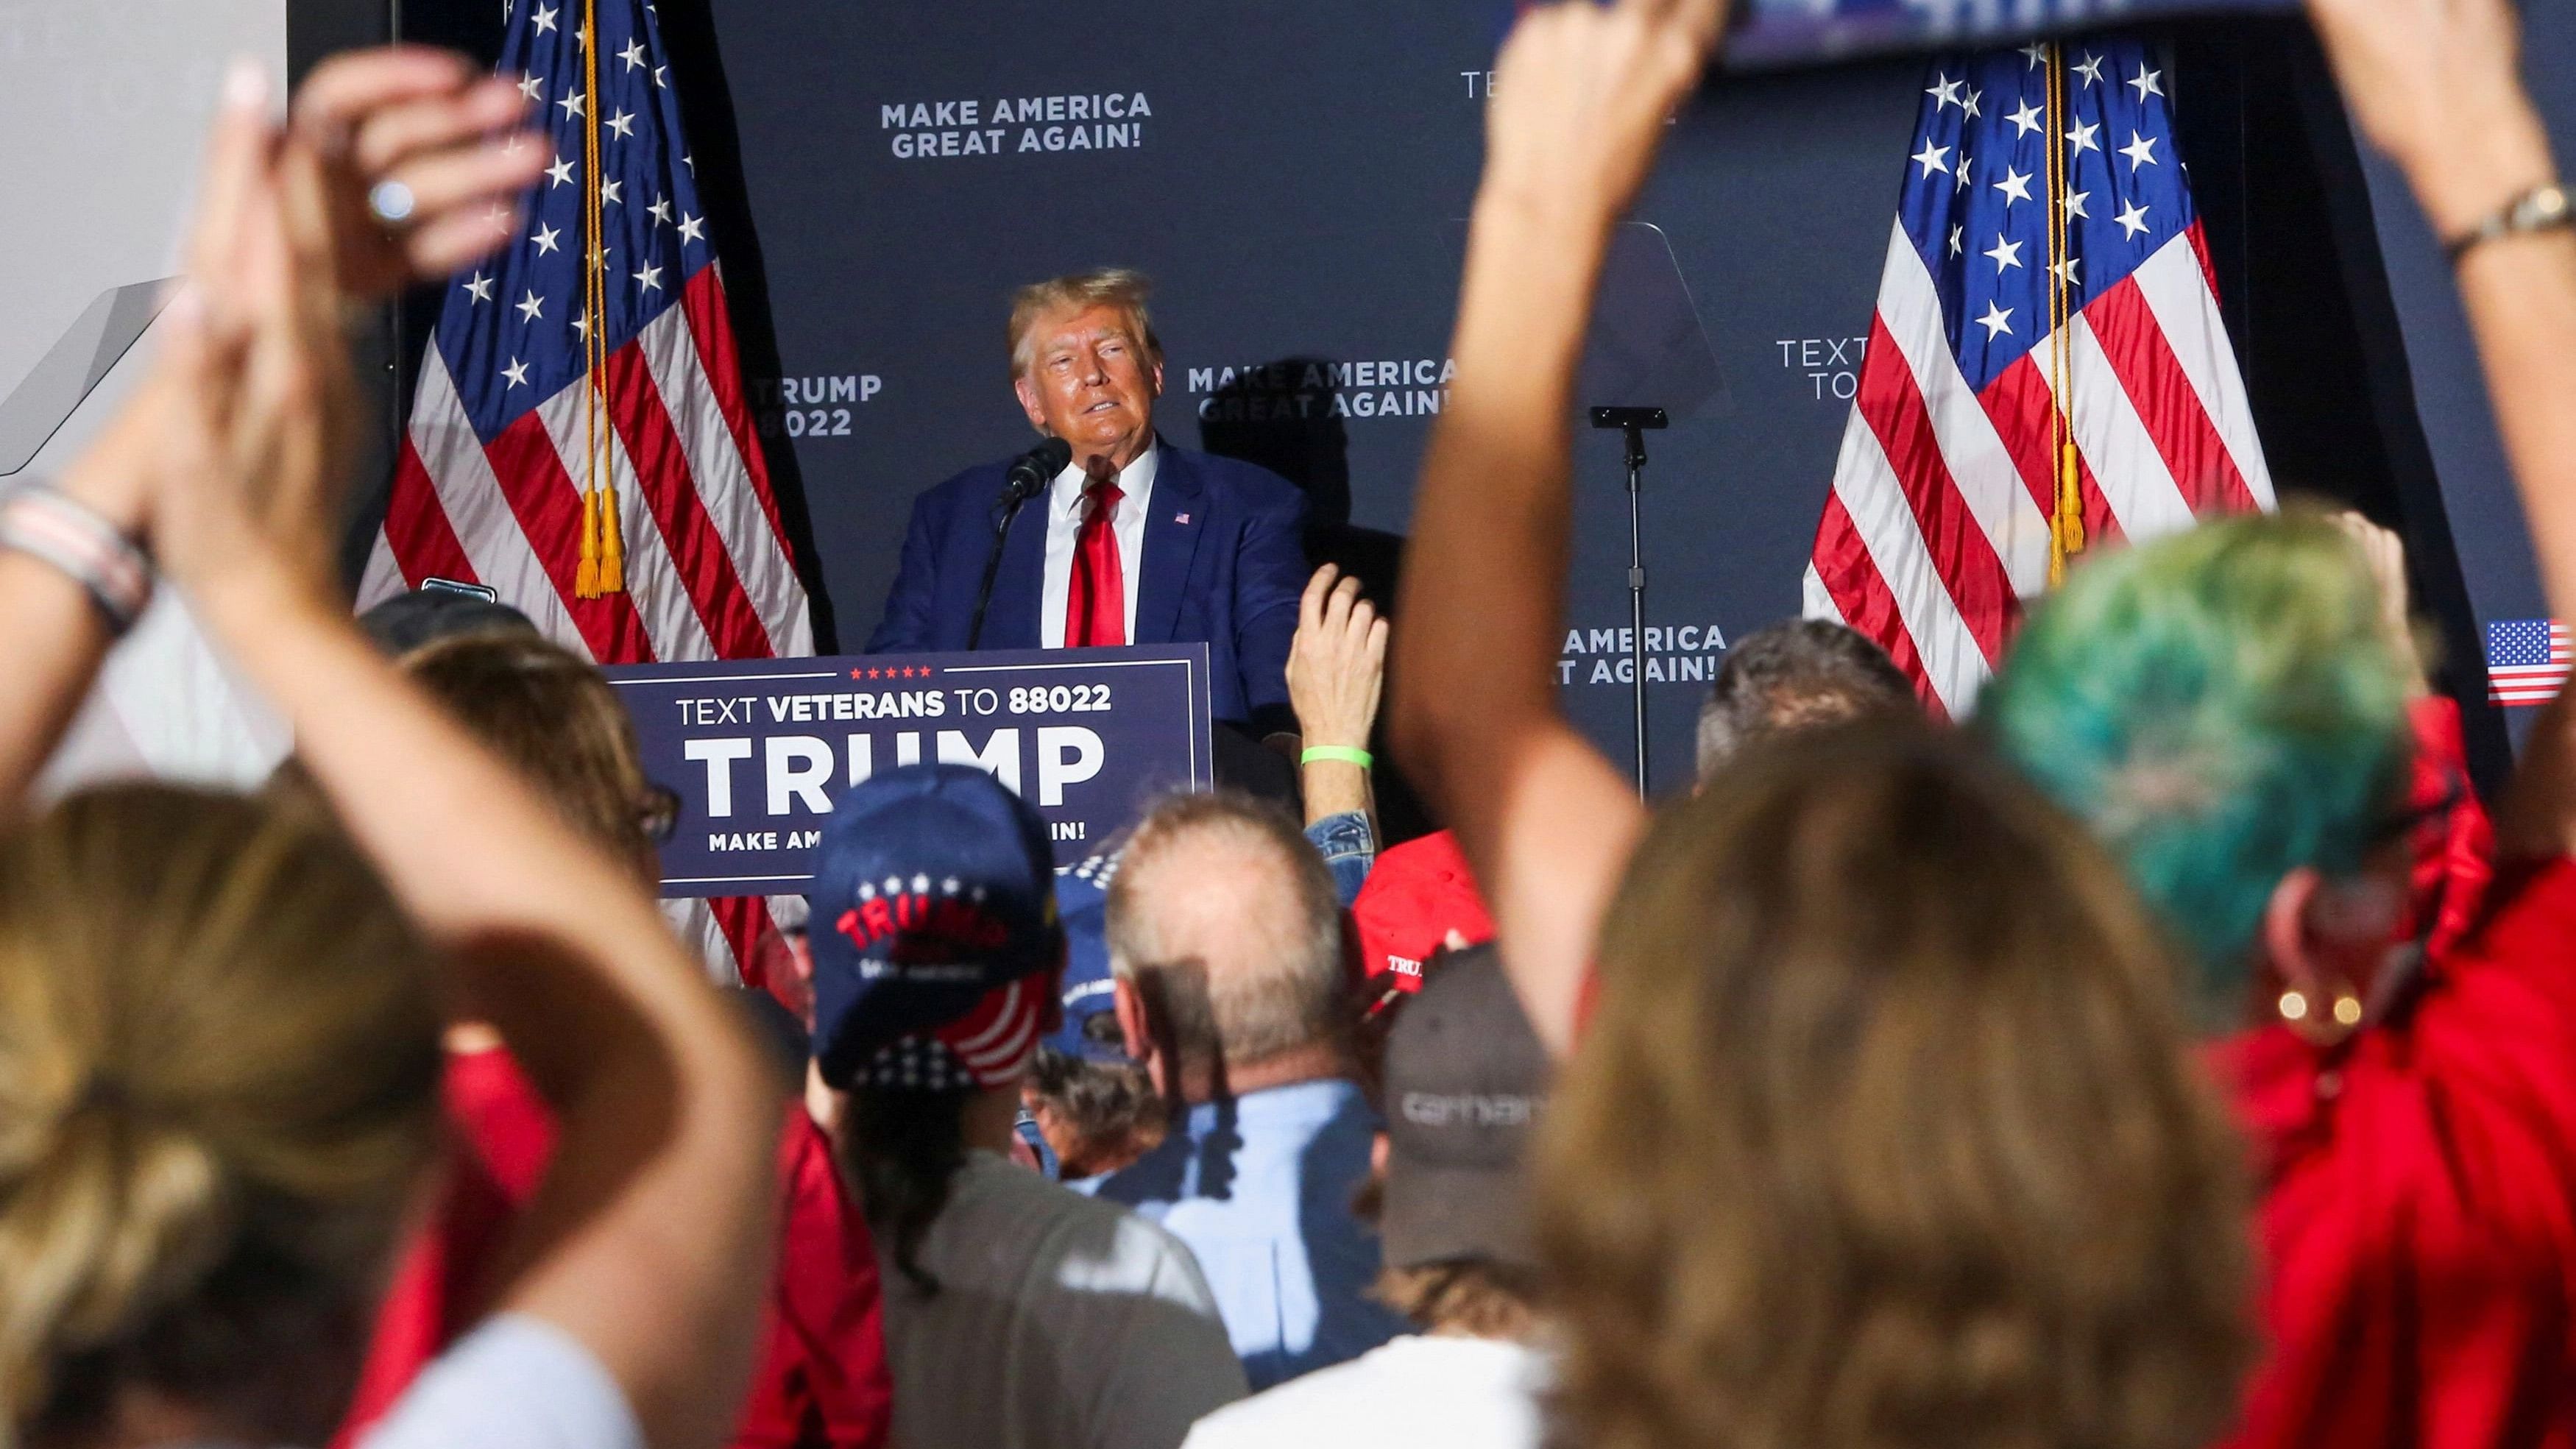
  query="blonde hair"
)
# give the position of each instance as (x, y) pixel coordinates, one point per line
(1118, 287)
(553, 715)
(219, 1075)
(1886, 1131)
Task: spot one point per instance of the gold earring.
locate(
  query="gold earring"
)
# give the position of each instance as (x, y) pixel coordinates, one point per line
(2325, 1024)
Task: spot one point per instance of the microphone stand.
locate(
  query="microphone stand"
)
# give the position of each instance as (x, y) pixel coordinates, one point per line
(1633, 422)
(993, 566)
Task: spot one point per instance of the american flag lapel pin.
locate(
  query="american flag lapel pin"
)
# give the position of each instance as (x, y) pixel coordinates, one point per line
(1182, 519)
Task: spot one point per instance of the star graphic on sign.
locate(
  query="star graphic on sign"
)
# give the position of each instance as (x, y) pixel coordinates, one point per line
(2037, 53)
(2075, 201)
(530, 85)
(633, 54)
(547, 239)
(2015, 186)
(544, 17)
(2066, 271)
(533, 307)
(610, 193)
(2081, 138)
(2091, 70)
(560, 172)
(661, 210)
(481, 286)
(1932, 158)
(1997, 321)
(2005, 256)
(516, 372)
(650, 279)
(2141, 151)
(2027, 119)
(1958, 239)
(2132, 221)
(1945, 91)
(2147, 83)
(692, 228)
(623, 124)
(571, 105)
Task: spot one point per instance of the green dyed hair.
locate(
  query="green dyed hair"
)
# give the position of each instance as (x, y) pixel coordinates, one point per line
(2223, 707)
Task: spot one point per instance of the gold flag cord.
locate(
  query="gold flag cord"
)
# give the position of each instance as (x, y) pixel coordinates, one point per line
(603, 551)
(2066, 518)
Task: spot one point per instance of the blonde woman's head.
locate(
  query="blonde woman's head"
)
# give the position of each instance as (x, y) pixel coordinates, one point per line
(219, 1075)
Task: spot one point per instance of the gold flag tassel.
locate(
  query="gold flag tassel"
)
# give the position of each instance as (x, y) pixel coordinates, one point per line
(2066, 518)
(603, 542)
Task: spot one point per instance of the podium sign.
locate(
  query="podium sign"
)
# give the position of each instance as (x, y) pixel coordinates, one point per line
(759, 750)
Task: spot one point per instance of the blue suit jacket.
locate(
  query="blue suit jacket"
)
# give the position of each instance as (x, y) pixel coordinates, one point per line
(1224, 564)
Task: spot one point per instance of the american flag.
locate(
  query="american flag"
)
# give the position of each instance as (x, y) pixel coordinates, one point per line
(531, 450)
(2527, 660)
(1940, 522)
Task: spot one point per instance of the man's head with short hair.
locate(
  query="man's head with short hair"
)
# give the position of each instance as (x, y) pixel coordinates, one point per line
(1226, 938)
(1794, 675)
(1087, 365)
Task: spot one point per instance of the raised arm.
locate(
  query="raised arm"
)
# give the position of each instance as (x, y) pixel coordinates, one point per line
(649, 1240)
(2437, 84)
(1580, 98)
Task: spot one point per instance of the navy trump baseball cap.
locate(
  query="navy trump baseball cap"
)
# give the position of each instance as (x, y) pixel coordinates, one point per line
(1090, 991)
(934, 933)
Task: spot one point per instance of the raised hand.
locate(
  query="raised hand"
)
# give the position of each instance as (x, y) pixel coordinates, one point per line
(1581, 93)
(422, 120)
(2437, 84)
(1337, 662)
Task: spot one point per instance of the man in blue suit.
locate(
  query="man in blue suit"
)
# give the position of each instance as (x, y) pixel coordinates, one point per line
(1135, 542)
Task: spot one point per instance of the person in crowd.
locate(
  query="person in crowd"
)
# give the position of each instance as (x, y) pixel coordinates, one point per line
(1091, 1106)
(1796, 674)
(1018, 1312)
(1133, 542)
(219, 1050)
(1466, 1087)
(822, 1382)
(426, 615)
(1227, 944)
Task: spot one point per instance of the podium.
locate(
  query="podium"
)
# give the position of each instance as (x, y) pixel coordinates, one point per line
(758, 751)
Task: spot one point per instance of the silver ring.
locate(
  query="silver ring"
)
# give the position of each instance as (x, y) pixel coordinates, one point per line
(391, 203)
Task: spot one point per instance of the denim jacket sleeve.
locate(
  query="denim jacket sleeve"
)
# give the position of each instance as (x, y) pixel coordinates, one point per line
(1348, 848)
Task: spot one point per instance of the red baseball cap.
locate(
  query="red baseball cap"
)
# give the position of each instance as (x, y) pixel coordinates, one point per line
(1417, 893)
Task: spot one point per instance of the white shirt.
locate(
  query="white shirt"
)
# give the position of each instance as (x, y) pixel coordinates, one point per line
(515, 1383)
(1062, 1322)
(1458, 1393)
(1064, 530)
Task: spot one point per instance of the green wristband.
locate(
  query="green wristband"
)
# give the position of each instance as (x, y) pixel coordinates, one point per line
(1338, 754)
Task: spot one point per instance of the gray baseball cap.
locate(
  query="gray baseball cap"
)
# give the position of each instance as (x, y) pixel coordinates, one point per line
(1466, 1084)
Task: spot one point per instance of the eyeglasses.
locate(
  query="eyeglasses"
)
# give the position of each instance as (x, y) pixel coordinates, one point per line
(658, 813)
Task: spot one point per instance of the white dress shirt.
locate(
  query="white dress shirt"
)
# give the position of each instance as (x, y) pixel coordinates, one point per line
(1064, 529)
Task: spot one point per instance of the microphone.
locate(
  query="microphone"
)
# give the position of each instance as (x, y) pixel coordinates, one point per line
(1030, 474)
(1035, 469)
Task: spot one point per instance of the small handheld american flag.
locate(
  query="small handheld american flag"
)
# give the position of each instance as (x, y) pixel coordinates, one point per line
(2527, 660)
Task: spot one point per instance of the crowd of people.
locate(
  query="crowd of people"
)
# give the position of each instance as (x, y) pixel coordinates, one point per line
(2177, 1053)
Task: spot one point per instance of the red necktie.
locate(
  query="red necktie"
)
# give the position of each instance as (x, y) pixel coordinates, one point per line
(1095, 603)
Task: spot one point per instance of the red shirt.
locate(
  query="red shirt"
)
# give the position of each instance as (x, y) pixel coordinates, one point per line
(822, 1381)
(2418, 1222)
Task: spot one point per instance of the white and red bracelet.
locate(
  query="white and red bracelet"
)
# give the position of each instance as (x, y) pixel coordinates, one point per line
(44, 524)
